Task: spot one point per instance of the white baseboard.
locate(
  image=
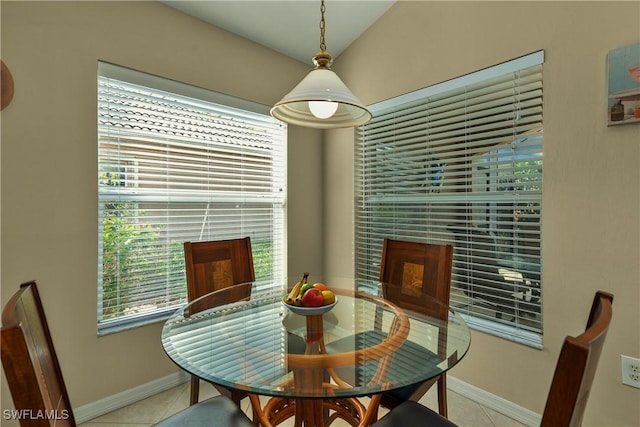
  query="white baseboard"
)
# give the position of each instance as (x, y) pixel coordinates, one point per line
(120, 400)
(498, 404)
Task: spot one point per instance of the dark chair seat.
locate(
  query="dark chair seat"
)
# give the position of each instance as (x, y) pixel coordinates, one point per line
(410, 355)
(218, 411)
(413, 414)
(296, 344)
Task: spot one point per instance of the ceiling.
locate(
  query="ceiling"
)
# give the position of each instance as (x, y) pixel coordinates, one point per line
(291, 27)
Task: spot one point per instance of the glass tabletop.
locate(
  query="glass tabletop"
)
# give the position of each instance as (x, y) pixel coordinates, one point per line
(247, 340)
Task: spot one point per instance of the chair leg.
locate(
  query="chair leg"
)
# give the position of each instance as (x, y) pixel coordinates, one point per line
(237, 397)
(195, 390)
(442, 395)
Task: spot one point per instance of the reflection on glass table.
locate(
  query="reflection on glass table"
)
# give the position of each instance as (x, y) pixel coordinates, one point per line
(308, 364)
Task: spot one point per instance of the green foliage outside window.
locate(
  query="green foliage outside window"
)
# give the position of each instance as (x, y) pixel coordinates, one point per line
(128, 262)
(128, 249)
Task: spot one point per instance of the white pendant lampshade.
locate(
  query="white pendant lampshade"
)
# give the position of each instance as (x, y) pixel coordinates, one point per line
(321, 99)
(313, 100)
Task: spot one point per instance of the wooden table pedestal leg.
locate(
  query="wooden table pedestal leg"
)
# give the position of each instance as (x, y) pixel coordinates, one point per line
(311, 412)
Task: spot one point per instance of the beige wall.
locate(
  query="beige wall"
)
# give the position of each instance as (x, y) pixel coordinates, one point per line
(592, 184)
(591, 226)
(49, 163)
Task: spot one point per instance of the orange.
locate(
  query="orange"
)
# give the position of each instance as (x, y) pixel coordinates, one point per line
(320, 286)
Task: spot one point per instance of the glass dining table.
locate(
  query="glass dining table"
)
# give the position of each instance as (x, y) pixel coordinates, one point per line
(313, 366)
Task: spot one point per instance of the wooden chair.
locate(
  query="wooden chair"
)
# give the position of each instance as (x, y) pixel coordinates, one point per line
(411, 275)
(216, 265)
(35, 379)
(570, 386)
(576, 367)
(410, 272)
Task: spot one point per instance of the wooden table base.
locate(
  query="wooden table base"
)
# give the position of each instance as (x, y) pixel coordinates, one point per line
(316, 412)
(308, 412)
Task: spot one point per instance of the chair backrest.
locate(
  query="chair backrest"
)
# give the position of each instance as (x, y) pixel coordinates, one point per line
(30, 363)
(216, 265)
(411, 270)
(576, 368)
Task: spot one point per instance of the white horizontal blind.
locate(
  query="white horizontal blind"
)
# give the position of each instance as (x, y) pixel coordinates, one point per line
(175, 168)
(461, 163)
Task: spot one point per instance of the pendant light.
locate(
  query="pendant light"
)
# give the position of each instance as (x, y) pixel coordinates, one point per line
(321, 99)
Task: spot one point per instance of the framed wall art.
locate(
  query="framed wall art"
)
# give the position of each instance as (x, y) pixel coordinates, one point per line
(623, 66)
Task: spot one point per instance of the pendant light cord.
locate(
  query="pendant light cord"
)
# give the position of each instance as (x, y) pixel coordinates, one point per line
(323, 46)
(323, 58)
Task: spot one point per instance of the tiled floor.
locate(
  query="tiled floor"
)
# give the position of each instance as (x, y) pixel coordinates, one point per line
(462, 411)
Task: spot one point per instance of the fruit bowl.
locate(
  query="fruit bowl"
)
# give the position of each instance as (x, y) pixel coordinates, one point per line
(310, 311)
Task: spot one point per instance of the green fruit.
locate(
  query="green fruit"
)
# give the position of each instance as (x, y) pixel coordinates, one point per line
(305, 288)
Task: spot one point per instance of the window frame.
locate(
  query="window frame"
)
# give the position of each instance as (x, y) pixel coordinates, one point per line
(260, 191)
(429, 190)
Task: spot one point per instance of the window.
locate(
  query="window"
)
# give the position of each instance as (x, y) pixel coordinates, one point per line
(179, 163)
(461, 163)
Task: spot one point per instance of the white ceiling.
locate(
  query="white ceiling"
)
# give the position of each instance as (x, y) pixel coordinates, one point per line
(291, 27)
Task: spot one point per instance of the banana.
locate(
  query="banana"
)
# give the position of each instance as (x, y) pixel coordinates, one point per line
(295, 292)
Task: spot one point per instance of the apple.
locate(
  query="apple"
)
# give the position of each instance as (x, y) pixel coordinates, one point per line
(312, 298)
(305, 288)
